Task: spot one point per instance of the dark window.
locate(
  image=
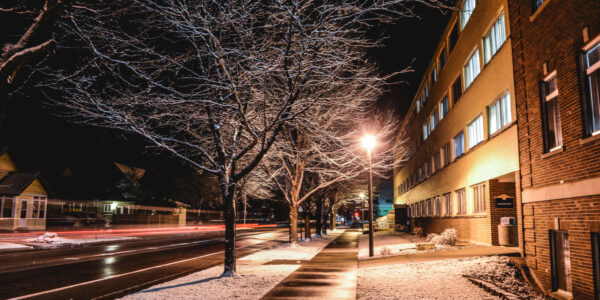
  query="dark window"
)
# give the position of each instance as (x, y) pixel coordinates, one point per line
(446, 151)
(561, 260)
(550, 113)
(456, 89)
(596, 256)
(453, 37)
(459, 144)
(590, 69)
(536, 4)
(442, 59)
(436, 162)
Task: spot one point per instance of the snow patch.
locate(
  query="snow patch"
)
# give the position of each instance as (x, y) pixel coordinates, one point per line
(52, 238)
(389, 243)
(6, 246)
(253, 283)
(304, 250)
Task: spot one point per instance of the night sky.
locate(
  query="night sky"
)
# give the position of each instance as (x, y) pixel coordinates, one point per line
(41, 141)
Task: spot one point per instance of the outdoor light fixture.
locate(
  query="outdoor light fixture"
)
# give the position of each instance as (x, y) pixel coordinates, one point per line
(368, 142)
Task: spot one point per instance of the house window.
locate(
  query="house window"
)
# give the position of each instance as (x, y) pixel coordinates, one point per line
(561, 260)
(8, 203)
(472, 69)
(461, 200)
(551, 114)
(433, 77)
(453, 37)
(459, 144)
(499, 114)
(591, 75)
(436, 162)
(443, 107)
(39, 207)
(442, 58)
(437, 206)
(475, 131)
(447, 204)
(434, 119)
(446, 151)
(466, 12)
(429, 208)
(479, 198)
(426, 130)
(494, 39)
(456, 89)
(107, 208)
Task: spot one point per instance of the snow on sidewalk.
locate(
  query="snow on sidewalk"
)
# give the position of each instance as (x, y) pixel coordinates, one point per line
(11, 246)
(439, 279)
(305, 250)
(389, 243)
(52, 238)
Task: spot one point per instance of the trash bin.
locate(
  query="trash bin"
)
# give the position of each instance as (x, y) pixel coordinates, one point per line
(507, 232)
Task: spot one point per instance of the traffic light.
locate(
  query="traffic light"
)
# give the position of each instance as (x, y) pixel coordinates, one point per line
(356, 214)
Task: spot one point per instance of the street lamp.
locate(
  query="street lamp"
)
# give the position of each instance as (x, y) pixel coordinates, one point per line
(368, 142)
(362, 212)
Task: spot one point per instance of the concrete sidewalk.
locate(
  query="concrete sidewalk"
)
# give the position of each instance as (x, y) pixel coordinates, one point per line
(331, 274)
(441, 255)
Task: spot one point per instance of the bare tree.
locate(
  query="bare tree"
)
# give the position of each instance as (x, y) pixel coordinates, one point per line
(214, 82)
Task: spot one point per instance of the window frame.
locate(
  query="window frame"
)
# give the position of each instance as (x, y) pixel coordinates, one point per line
(447, 154)
(443, 107)
(456, 95)
(479, 199)
(554, 265)
(461, 201)
(456, 154)
(480, 130)
(545, 98)
(587, 74)
(504, 122)
(447, 202)
(500, 20)
(475, 57)
(466, 13)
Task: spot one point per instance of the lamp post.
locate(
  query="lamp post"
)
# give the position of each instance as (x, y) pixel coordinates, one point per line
(368, 142)
(362, 212)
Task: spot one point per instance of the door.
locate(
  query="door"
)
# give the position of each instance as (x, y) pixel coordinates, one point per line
(24, 213)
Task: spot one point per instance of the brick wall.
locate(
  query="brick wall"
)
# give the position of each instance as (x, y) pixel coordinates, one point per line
(553, 36)
(497, 188)
(468, 228)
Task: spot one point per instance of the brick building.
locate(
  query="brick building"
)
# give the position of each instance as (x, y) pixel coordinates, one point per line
(556, 59)
(461, 128)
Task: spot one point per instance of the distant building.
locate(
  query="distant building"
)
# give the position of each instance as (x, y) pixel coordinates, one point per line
(23, 199)
(463, 151)
(384, 193)
(556, 47)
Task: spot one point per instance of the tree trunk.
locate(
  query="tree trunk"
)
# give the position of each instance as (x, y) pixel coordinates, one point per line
(333, 224)
(319, 217)
(229, 201)
(294, 224)
(307, 226)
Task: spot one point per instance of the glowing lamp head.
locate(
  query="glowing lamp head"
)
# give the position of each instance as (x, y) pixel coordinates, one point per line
(368, 142)
(362, 196)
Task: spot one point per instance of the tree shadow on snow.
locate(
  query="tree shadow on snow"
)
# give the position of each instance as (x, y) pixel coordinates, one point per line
(178, 285)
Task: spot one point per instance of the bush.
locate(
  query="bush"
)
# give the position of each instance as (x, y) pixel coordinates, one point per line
(448, 237)
(385, 251)
(418, 231)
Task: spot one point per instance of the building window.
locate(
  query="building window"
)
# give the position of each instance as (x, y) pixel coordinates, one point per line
(459, 144)
(499, 114)
(436, 162)
(429, 208)
(591, 75)
(447, 204)
(442, 58)
(475, 131)
(457, 89)
(596, 257)
(453, 37)
(437, 206)
(8, 203)
(427, 169)
(461, 200)
(446, 151)
(443, 107)
(433, 77)
(536, 4)
(107, 208)
(472, 69)
(494, 39)
(434, 119)
(466, 12)
(561, 260)
(551, 114)
(426, 130)
(479, 198)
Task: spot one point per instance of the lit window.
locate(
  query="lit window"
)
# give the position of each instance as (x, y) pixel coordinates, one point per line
(447, 205)
(437, 206)
(426, 130)
(107, 208)
(466, 12)
(475, 131)
(444, 107)
(494, 39)
(499, 114)
(461, 200)
(459, 144)
(433, 78)
(550, 111)
(560, 252)
(8, 203)
(591, 75)
(472, 69)
(479, 198)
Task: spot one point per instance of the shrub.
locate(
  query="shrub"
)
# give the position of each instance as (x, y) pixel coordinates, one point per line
(418, 231)
(448, 237)
(385, 251)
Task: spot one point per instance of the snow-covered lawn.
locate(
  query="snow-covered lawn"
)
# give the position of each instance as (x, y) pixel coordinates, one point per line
(51, 238)
(389, 243)
(254, 282)
(303, 251)
(6, 246)
(438, 279)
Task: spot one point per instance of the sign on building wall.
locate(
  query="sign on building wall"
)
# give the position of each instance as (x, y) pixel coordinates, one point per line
(504, 201)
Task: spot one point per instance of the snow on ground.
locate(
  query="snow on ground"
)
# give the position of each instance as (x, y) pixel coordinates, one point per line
(432, 280)
(390, 243)
(253, 283)
(502, 272)
(303, 251)
(6, 246)
(52, 238)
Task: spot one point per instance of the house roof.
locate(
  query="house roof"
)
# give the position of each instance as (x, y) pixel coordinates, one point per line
(16, 182)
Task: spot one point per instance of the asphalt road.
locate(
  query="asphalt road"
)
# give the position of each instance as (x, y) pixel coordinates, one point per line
(115, 269)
